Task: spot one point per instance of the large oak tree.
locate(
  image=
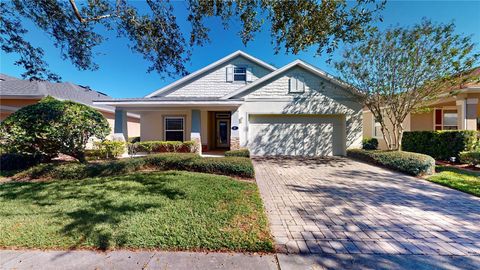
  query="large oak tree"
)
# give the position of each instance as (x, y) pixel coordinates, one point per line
(77, 28)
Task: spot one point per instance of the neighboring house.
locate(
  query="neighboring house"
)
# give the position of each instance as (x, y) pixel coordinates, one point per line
(455, 109)
(16, 93)
(241, 101)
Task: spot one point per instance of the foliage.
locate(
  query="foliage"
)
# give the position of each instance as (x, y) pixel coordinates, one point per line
(466, 181)
(402, 69)
(440, 145)
(233, 166)
(133, 139)
(152, 29)
(470, 157)
(407, 162)
(156, 210)
(50, 127)
(369, 144)
(238, 153)
(14, 161)
(107, 149)
(165, 146)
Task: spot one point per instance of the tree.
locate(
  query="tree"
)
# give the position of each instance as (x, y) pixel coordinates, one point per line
(400, 70)
(78, 28)
(50, 127)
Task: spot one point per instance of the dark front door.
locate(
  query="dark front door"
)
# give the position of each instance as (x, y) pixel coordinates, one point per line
(222, 133)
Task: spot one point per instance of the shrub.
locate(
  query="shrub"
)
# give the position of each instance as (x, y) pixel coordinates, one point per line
(133, 139)
(165, 146)
(370, 143)
(110, 149)
(440, 145)
(232, 166)
(238, 153)
(13, 161)
(407, 162)
(51, 127)
(470, 157)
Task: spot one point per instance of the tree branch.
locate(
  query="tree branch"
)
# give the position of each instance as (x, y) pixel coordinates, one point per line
(83, 20)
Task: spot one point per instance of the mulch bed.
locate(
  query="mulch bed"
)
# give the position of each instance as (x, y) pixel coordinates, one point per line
(466, 167)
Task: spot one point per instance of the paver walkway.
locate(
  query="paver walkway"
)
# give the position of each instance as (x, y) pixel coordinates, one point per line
(340, 206)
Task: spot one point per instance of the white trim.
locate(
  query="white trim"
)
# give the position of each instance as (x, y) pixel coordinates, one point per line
(374, 123)
(300, 63)
(169, 103)
(471, 101)
(174, 130)
(213, 65)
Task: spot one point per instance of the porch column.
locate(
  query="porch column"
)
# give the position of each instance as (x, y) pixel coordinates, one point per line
(471, 114)
(235, 131)
(120, 128)
(195, 130)
(461, 113)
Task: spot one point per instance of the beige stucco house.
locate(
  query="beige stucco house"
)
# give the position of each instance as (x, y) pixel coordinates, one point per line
(16, 93)
(241, 101)
(456, 109)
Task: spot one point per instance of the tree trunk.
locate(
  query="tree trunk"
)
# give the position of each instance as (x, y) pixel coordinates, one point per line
(80, 156)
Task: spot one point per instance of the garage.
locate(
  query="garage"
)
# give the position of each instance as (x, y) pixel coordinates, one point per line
(296, 135)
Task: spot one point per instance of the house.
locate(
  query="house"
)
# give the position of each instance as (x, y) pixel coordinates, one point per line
(16, 93)
(456, 109)
(241, 101)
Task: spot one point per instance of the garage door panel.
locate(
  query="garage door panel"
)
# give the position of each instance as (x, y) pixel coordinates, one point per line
(275, 135)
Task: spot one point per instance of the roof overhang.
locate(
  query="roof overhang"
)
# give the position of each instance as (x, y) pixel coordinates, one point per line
(209, 67)
(162, 103)
(22, 96)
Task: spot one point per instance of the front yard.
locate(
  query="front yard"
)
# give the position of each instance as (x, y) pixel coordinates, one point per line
(172, 210)
(466, 181)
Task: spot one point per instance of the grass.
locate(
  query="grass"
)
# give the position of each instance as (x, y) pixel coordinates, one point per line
(458, 179)
(170, 210)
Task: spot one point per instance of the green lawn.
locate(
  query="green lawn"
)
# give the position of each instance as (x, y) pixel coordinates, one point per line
(459, 179)
(166, 210)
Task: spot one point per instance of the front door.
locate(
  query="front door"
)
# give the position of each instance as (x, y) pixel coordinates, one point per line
(223, 133)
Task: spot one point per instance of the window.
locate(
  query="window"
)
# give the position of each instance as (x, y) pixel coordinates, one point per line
(174, 128)
(377, 130)
(297, 84)
(239, 74)
(450, 120)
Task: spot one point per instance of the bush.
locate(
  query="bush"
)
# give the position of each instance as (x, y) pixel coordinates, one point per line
(133, 139)
(12, 161)
(165, 146)
(110, 149)
(407, 162)
(51, 127)
(232, 166)
(238, 153)
(370, 144)
(440, 145)
(470, 157)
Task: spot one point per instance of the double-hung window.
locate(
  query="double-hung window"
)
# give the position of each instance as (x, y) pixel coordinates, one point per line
(174, 128)
(239, 74)
(377, 130)
(450, 120)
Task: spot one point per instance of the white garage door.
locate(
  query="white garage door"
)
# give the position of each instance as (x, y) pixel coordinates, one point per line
(296, 135)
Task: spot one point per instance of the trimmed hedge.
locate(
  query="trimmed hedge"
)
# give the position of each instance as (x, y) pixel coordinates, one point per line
(470, 157)
(370, 144)
(232, 166)
(238, 153)
(440, 145)
(12, 161)
(165, 146)
(106, 150)
(411, 163)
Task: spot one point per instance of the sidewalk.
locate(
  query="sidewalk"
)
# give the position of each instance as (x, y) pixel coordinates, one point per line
(44, 260)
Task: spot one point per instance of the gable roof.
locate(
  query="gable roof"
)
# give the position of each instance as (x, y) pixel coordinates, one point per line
(12, 87)
(211, 66)
(293, 64)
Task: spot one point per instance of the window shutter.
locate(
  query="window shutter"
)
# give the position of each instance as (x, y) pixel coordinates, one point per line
(229, 74)
(249, 74)
(293, 84)
(301, 84)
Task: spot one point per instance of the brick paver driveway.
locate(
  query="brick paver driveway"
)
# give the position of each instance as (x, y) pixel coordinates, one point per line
(342, 206)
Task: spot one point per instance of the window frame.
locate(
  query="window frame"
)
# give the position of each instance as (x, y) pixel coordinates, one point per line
(237, 73)
(374, 125)
(442, 125)
(165, 130)
(297, 78)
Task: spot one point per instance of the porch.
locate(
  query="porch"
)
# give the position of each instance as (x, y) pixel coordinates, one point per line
(214, 127)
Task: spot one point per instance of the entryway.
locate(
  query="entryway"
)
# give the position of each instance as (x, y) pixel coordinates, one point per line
(219, 130)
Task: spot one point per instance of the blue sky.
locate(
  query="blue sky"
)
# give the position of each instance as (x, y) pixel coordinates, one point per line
(123, 73)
